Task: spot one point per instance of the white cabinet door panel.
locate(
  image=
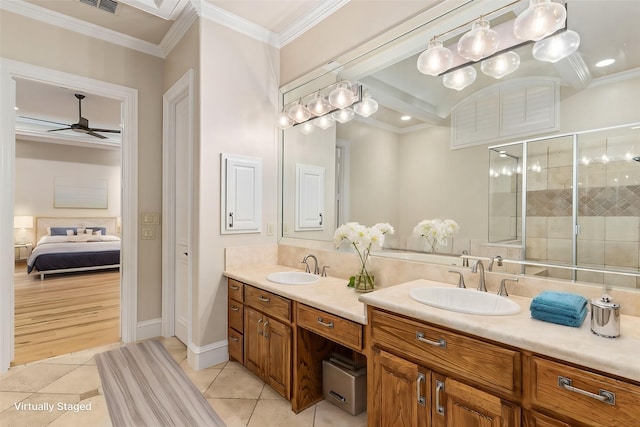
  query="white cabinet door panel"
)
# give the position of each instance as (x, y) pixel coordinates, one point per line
(241, 194)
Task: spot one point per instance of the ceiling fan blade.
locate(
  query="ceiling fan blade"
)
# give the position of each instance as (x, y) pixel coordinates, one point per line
(54, 130)
(96, 135)
(42, 120)
(104, 130)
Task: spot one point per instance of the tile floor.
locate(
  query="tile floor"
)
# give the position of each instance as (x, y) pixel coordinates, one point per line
(60, 384)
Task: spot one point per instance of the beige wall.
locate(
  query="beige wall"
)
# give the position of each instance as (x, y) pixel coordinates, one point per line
(26, 40)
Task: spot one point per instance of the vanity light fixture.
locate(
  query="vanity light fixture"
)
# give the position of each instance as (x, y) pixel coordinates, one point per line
(307, 128)
(554, 48)
(460, 78)
(284, 121)
(319, 105)
(541, 19)
(478, 43)
(299, 112)
(500, 65)
(436, 59)
(324, 122)
(342, 96)
(367, 106)
(344, 115)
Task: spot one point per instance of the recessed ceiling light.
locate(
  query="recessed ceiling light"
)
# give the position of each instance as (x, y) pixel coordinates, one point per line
(16, 108)
(405, 118)
(605, 62)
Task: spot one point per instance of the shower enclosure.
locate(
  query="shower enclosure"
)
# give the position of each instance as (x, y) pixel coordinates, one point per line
(571, 201)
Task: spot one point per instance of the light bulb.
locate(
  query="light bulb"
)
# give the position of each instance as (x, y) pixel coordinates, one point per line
(284, 121)
(478, 43)
(367, 106)
(342, 96)
(299, 112)
(323, 122)
(554, 48)
(344, 115)
(307, 128)
(500, 65)
(319, 105)
(460, 78)
(436, 59)
(540, 19)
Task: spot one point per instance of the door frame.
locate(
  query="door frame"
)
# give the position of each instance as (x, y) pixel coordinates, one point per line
(9, 70)
(183, 88)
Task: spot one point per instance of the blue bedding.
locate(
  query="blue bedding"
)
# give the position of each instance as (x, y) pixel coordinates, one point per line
(65, 252)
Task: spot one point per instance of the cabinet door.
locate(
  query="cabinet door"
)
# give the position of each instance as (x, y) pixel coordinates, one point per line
(277, 337)
(398, 392)
(470, 407)
(254, 341)
(241, 194)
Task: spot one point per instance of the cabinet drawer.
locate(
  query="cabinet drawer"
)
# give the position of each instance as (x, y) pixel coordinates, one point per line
(330, 326)
(456, 355)
(236, 290)
(582, 400)
(236, 315)
(268, 303)
(236, 345)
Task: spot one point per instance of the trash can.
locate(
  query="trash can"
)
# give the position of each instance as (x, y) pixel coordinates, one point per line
(344, 387)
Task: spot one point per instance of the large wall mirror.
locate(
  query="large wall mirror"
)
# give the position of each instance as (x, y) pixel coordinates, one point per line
(425, 153)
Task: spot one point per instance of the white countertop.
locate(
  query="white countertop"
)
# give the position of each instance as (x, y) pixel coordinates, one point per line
(330, 294)
(619, 356)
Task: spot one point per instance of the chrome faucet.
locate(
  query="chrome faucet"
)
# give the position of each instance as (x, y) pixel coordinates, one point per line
(460, 278)
(497, 258)
(316, 269)
(503, 287)
(465, 260)
(481, 283)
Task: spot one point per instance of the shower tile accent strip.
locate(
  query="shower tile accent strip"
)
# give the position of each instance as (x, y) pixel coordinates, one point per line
(598, 201)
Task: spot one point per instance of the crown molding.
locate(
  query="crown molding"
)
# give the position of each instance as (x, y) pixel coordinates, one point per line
(73, 24)
(179, 28)
(165, 9)
(236, 23)
(308, 21)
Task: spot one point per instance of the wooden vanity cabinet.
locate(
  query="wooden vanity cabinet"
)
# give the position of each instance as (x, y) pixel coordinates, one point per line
(235, 313)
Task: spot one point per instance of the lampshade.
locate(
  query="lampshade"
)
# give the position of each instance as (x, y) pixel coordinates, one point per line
(367, 106)
(319, 105)
(478, 43)
(501, 65)
(23, 221)
(554, 48)
(284, 121)
(436, 59)
(342, 96)
(540, 19)
(460, 78)
(324, 122)
(344, 115)
(299, 112)
(306, 128)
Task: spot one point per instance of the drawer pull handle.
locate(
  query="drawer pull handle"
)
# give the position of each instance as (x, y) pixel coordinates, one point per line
(234, 287)
(266, 335)
(421, 379)
(328, 325)
(234, 308)
(442, 343)
(603, 395)
(264, 299)
(337, 396)
(234, 338)
(260, 330)
(439, 388)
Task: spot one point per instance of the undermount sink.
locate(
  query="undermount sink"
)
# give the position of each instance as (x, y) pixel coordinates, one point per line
(466, 301)
(292, 278)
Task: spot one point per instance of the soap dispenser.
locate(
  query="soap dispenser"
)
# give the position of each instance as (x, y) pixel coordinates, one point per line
(605, 317)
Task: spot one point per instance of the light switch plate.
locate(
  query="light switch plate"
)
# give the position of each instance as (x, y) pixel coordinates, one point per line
(150, 218)
(148, 233)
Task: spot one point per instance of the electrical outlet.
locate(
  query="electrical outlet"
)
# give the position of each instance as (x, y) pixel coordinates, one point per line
(148, 233)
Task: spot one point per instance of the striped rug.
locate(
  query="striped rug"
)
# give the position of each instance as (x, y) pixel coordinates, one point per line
(144, 386)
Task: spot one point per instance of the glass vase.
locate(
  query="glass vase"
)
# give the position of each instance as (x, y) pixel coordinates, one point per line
(364, 282)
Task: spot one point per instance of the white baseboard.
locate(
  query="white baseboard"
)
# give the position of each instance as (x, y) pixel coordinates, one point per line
(209, 355)
(149, 329)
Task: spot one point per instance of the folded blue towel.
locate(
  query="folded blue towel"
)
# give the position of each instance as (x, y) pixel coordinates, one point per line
(561, 304)
(560, 319)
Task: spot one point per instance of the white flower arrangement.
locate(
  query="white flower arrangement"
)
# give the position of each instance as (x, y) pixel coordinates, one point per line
(435, 231)
(363, 239)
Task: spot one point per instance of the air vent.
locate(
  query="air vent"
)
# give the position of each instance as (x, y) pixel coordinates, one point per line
(106, 5)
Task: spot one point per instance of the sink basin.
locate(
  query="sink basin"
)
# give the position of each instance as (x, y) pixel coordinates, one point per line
(292, 278)
(465, 301)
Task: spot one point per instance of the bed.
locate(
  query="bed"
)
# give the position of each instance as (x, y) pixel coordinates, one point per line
(74, 244)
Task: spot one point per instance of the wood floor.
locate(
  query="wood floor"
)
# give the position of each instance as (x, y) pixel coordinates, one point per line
(64, 313)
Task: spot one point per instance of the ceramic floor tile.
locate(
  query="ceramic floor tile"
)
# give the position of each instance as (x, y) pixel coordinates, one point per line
(175, 347)
(9, 398)
(234, 365)
(94, 413)
(79, 381)
(269, 393)
(329, 415)
(203, 378)
(237, 384)
(81, 357)
(34, 377)
(36, 410)
(278, 413)
(234, 412)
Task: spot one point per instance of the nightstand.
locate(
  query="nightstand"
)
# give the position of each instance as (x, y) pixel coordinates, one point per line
(22, 251)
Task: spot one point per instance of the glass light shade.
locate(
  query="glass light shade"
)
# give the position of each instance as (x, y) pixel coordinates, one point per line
(342, 96)
(284, 121)
(554, 48)
(501, 65)
(344, 115)
(367, 106)
(542, 18)
(478, 43)
(307, 128)
(319, 105)
(324, 122)
(436, 59)
(299, 113)
(459, 79)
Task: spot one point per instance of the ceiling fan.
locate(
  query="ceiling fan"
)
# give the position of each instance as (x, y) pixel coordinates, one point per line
(83, 124)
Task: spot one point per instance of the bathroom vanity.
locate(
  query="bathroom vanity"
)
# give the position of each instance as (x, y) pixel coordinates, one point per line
(433, 367)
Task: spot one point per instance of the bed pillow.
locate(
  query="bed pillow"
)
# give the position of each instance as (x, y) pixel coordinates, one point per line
(103, 230)
(62, 231)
